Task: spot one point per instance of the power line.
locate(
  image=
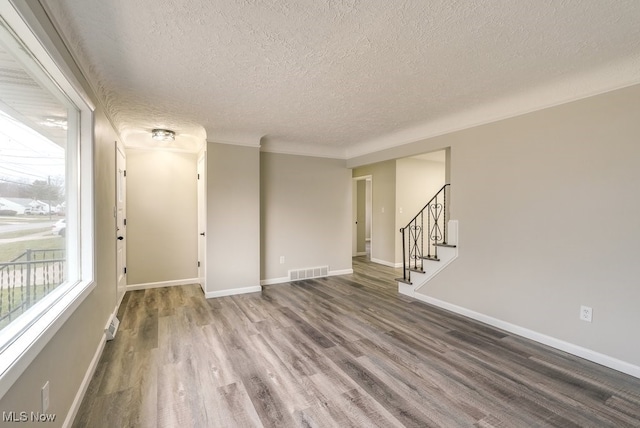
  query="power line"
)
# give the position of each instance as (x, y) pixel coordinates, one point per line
(14, 182)
(23, 172)
(31, 157)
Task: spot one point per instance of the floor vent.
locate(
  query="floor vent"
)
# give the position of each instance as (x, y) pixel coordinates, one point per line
(112, 329)
(307, 273)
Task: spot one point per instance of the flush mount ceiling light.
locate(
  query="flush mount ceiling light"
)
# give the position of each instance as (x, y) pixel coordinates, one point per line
(163, 135)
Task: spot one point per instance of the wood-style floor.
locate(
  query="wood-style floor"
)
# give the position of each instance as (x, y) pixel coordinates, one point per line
(337, 352)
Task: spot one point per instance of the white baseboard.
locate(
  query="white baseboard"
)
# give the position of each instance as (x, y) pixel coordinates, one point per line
(273, 281)
(360, 253)
(285, 279)
(144, 286)
(386, 263)
(77, 401)
(340, 272)
(579, 351)
(232, 292)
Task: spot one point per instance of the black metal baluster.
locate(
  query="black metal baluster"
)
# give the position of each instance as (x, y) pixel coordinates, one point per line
(404, 261)
(422, 240)
(444, 235)
(436, 212)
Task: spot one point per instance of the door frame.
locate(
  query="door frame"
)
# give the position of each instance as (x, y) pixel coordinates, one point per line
(368, 208)
(120, 216)
(201, 167)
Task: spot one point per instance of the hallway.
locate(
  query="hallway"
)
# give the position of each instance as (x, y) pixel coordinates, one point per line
(339, 351)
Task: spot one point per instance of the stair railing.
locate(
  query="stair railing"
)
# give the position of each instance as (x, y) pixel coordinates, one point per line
(434, 217)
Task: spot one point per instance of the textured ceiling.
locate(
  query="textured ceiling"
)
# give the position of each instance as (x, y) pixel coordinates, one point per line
(342, 77)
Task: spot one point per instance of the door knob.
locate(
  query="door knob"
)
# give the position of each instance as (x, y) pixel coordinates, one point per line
(120, 238)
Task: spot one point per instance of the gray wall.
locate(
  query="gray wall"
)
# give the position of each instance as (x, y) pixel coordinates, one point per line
(383, 221)
(233, 217)
(548, 211)
(405, 184)
(162, 232)
(66, 357)
(305, 213)
(417, 181)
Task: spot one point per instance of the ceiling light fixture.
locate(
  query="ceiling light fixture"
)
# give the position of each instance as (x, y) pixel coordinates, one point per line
(163, 135)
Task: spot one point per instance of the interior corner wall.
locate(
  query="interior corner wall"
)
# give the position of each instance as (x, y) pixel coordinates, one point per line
(233, 218)
(417, 181)
(162, 220)
(305, 214)
(383, 195)
(548, 212)
(83, 332)
(368, 210)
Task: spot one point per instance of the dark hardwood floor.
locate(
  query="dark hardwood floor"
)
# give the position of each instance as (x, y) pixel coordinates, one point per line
(337, 352)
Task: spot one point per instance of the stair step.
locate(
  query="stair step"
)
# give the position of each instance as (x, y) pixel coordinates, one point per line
(445, 245)
(432, 258)
(405, 281)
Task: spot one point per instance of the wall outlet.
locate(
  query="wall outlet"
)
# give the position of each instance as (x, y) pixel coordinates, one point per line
(281, 260)
(586, 313)
(45, 397)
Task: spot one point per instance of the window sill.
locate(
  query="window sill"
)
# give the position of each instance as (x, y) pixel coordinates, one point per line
(17, 357)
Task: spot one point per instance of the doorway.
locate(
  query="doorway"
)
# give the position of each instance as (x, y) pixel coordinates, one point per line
(121, 222)
(362, 219)
(202, 219)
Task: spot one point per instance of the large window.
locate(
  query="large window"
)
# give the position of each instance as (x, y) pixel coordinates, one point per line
(45, 192)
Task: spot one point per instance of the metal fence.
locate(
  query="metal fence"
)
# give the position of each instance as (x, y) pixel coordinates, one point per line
(27, 279)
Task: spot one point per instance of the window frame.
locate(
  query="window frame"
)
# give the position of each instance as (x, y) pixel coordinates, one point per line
(16, 357)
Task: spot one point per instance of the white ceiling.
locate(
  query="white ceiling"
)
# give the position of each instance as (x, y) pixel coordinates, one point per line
(342, 78)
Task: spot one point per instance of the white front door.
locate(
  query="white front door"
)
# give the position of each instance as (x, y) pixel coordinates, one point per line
(202, 220)
(121, 222)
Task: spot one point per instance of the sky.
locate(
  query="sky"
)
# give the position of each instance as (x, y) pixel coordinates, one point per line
(26, 155)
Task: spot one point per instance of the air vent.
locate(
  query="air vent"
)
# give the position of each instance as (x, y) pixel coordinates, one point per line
(112, 329)
(307, 273)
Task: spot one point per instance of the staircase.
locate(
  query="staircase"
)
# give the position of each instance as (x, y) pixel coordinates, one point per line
(429, 243)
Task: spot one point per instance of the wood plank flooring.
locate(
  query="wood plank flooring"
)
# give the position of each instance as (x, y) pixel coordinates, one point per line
(344, 351)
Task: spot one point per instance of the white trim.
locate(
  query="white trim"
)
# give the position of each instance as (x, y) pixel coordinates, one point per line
(144, 286)
(285, 279)
(34, 339)
(361, 253)
(571, 348)
(232, 292)
(296, 149)
(75, 406)
(432, 268)
(41, 45)
(340, 272)
(386, 263)
(573, 88)
(238, 143)
(273, 281)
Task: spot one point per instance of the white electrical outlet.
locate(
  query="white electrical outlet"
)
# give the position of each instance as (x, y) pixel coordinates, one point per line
(45, 397)
(281, 260)
(586, 313)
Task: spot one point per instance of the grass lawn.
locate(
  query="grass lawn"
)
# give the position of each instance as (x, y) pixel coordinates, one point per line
(12, 299)
(11, 250)
(20, 233)
(4, 219)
